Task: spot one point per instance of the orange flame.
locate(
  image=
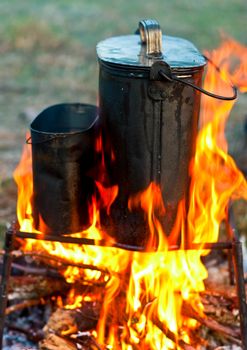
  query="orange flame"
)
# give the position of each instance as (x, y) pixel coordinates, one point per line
(24, 180)
(161, 281)
(151, 202)
(107, 195)
(215, 176)
(155, 284)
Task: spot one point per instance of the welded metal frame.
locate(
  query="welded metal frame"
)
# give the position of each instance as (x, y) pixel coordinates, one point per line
(234, 247)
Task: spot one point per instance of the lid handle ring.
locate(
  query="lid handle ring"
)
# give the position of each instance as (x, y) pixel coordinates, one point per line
(151, 36)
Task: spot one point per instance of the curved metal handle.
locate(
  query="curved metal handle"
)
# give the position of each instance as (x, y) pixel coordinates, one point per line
(29, 140)
(166, 73)
(151, 36)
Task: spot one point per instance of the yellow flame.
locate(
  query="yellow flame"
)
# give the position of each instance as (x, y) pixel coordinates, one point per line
(144, 290)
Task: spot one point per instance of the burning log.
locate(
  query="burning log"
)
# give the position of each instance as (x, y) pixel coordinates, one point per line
(25, 304)
(69, 327)
(171, 335)
(228, 293)
(83, 342)
(66, 322)
(85, 318)
(54, 342)
(223, 309)
(34, 287)
(233, 334)
(52, 260)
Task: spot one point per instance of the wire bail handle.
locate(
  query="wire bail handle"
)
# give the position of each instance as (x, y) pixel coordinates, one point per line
(161, 69)
(29, 140)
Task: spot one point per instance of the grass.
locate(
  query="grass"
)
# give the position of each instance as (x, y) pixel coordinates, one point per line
(47, 51)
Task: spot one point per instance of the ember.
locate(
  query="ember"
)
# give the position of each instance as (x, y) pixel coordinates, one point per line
(151, 299)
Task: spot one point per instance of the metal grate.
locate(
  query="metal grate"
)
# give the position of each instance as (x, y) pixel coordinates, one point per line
(233, 245)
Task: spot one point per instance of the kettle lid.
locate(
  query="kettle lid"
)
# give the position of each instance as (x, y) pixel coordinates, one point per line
(143, 50)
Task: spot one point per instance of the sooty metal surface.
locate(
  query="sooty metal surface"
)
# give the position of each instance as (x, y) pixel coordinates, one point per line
(151, 123)
(63, 143)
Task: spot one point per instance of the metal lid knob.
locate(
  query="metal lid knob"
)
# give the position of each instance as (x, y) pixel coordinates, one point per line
(151, 36)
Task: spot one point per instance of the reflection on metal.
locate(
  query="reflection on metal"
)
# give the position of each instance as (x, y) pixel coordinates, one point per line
(151, 36)
(128, 52)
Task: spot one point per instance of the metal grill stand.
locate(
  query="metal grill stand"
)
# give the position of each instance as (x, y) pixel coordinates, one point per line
(234, 247)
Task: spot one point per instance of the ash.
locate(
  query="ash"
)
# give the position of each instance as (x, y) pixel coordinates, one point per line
(24, 328)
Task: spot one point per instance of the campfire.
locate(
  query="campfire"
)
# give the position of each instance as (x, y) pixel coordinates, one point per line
(110, 294)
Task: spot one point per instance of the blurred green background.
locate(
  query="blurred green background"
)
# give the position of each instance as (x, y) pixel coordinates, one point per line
(47, 51)
(47, 56)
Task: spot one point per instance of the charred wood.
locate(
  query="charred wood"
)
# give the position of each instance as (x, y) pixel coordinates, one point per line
(54, 261)
(39, 271)
(55, 342)
(23, 305)
(169, 334)
(67, 322)
(72, 327)
(34, 287)
(210, 323)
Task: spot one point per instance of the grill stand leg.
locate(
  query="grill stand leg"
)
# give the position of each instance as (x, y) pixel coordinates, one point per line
(7, 259)
(230, 267)
(232, 235)
(237, 255)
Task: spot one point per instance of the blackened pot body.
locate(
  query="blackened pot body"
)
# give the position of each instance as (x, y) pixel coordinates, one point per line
(152, 126)
(63, 142)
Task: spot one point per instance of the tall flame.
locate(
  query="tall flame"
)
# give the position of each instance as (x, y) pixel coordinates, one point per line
(24, 180)
(220, 179)
(144, 292)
